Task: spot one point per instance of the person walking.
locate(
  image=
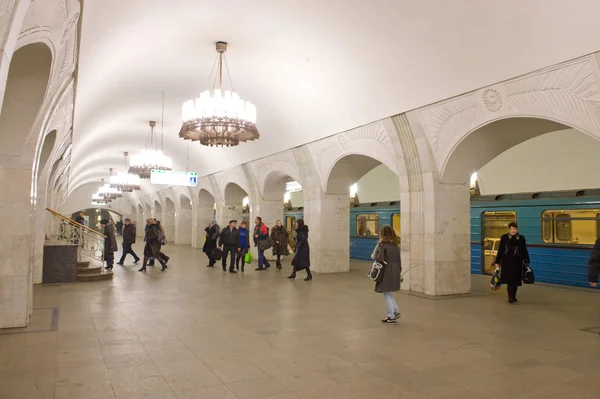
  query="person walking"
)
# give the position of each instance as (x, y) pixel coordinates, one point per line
(212, 235)
(229, 243)
(281, 239)
(244, 245)
(387, 252)
(301, 259)
(152, 247)
(128, 241)
(119, 227)
(261, 233)
(110, 243)
(511, 259)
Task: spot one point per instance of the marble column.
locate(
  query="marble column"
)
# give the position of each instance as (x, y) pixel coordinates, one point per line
(183, 227)
(169, 224)
(270, 212)
(225, 213)
(203, 215)
(15, 240)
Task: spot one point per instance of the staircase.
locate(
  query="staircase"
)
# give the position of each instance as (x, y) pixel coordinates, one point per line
(90, 247)
(86, 272)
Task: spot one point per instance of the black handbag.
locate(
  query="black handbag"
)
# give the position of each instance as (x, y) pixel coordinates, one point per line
(216, 254)
(265, 244)
(528, 276)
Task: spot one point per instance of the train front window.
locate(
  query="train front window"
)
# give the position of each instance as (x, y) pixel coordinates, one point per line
(495, 224)
(367, 225)
(573, 227)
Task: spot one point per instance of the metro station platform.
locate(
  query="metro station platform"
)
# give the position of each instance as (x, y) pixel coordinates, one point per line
(194, 332)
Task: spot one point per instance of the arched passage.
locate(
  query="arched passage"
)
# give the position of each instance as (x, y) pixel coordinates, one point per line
(367, 194)
(26, 85)
(45, 152)
(495, 150)
(289, 204)
(168, 220)
(158, 212)
(183, 221)
(236, 204)
(204, 212)
(147, 213)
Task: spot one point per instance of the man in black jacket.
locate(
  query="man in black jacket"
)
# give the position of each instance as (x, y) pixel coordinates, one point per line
(128, 240)
(229, 243)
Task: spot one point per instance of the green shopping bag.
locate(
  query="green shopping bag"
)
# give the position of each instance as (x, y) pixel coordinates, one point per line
(248, 257)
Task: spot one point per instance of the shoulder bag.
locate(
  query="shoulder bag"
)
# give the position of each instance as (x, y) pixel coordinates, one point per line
(378, 269)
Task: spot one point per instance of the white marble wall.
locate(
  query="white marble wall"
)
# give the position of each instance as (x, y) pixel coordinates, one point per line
(183, 227)
(203, 216)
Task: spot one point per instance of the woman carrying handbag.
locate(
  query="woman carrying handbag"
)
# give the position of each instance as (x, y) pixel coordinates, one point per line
(387, 253)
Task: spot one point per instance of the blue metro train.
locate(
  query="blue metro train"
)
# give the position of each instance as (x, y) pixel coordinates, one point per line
(560, 228)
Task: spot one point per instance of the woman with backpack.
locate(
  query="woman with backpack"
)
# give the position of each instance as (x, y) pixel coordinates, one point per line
(387, 252)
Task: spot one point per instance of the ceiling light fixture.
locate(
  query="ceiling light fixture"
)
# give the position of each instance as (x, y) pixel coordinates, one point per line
(142, 164)
(219, 118)
(125, 182)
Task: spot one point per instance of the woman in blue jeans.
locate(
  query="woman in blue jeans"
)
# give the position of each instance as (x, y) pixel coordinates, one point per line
(387, 252)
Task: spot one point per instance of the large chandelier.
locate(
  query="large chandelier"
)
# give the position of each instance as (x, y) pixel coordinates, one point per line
(123, 181)
(109, 193)
(219, 117)
(142, 164)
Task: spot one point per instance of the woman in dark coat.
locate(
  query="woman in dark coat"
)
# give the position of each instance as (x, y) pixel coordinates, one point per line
(110, 244)
(511, 259)
(387, 252)
(594, 264)
(302, 253)
(152, 247)
(212, 235)
(281, 239)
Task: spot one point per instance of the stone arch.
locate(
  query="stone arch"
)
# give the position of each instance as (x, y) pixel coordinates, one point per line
(185, 202)
(233, 204)
(234, 194)
(347, 170)
(205, 199)
(26, 85)
(274, 185)
(147, 211)
(158, 210)
(45, 152)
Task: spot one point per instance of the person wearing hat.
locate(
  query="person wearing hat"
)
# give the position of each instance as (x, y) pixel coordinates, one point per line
(110, 243)
(212, 236)
(229, 243)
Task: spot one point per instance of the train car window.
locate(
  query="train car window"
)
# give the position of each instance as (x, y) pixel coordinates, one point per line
(576, 226)
(367, 224)
(494, 225)
(396, 223)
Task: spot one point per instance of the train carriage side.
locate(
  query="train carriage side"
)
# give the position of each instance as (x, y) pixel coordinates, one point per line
(365, 222)
(560, 229)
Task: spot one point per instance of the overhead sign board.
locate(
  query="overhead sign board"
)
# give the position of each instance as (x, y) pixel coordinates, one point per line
(293, 187)
(174, 178)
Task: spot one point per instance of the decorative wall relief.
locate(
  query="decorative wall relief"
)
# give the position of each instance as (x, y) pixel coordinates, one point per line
(492, 100)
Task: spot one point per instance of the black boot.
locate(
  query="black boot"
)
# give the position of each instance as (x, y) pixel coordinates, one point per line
(292, 276)
(308, 275)
(143, 269)
(163, 264)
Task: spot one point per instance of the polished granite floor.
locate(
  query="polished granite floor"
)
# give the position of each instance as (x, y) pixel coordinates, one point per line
(194, 332)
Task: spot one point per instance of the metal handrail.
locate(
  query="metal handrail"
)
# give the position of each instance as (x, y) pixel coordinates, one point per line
(90, 243)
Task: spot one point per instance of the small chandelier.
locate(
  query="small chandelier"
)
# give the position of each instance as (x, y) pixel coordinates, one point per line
(219, 117)
(125, 182)
(142, 164)
(109, 193)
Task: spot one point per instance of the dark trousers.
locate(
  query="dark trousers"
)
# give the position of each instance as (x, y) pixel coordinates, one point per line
(512, 291)
(240, 258)
(128, 250)
(229, 250)
(109, 257)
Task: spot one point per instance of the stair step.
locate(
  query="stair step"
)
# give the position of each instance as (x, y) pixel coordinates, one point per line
(95, 277)
(89, 270)
(83, 263)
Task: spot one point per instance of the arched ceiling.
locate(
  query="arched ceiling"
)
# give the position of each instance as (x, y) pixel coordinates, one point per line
(312, 68)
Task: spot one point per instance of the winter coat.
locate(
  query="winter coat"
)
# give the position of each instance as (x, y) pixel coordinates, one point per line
(129, 234)
(512, 257)
(229, 238)
(212, 235)
(280, 234)
(244, 238)
(110, 242)
(302, 255)
(261, 231)
(389, 255)
(594, 263)
(151, 237)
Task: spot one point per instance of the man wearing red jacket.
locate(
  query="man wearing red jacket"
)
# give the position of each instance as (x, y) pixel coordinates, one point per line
(261, 232)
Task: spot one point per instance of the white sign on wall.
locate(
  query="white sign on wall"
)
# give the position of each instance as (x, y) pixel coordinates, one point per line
(174, 178)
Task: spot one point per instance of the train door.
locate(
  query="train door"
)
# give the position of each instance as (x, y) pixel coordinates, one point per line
(494, 225)
(290, 226)
(396, 223)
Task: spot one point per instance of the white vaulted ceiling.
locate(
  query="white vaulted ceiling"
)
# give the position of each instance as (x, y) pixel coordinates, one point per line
(312, 68)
